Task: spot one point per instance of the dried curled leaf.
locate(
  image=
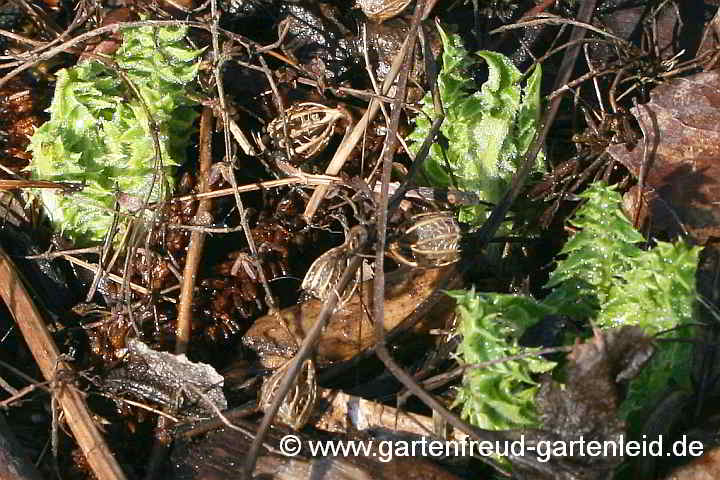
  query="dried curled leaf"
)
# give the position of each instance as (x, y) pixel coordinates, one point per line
(681, 125)
(298, 404)
(99, 132)
(431, 240)
(170, 381)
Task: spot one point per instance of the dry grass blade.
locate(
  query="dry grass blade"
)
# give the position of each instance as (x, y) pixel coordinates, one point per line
(47, 356)
(352, 138)
(547, 19)
(306, 179)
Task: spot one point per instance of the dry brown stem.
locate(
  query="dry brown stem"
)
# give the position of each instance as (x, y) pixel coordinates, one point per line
(306, 179)
(197, 237)
(47, 356)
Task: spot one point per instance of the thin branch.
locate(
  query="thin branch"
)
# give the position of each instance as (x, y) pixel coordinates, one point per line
(486, 233)
(115, 278)
(548, 19)
(379, 280)
(47, 356)
(307, 179)
(438, 381)
(197, 238)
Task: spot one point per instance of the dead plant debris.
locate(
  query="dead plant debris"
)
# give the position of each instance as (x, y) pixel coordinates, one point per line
(221, 228)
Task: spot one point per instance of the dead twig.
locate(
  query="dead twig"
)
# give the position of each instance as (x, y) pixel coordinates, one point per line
(422, 153)
(18, 184)
(566, 67)
(307, 179)
(548, 19)
(352, 139)
(197, 237)
(18, 394)
(47, 356)
(115, 278)
(20, 38)
(379, 281)
(7, 387)
(221, 59)
(438, 381)
(104, 253)
(111, 29)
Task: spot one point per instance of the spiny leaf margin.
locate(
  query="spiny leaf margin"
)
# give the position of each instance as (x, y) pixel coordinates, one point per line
(499, 396)
(488, 131)
(605, 276)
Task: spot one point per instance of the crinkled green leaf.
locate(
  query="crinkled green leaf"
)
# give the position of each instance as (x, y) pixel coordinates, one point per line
(604, 276)
(657, 293)
(499, 396)
(605, 245)
(99, 131)
(488, 131)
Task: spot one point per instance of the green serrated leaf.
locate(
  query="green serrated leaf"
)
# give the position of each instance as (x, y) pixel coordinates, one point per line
(618, 283)
(498, 396)
(604, 276)
(99, 131)
(488, 129)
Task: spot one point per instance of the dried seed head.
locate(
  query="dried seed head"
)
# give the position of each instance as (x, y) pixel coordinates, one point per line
(381, 10)
(324, 274)
(299, 402)
(309, 128)
(431, 240)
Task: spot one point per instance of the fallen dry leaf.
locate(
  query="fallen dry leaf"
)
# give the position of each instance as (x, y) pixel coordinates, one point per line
(586, 405)
(350, 330)
(706, 467)
(681, 124)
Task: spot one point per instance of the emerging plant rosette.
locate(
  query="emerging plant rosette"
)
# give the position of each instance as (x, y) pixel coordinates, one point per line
(100, 130)
(488, 129)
